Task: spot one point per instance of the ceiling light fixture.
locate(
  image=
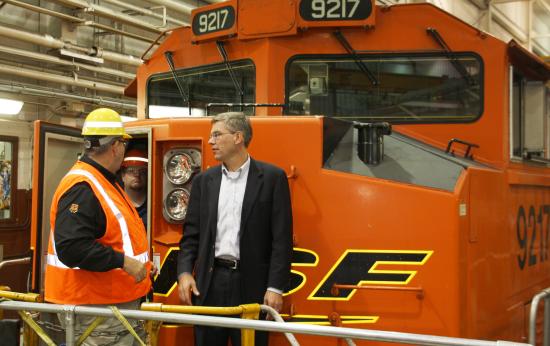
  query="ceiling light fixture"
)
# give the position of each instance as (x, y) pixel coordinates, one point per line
(10, 107)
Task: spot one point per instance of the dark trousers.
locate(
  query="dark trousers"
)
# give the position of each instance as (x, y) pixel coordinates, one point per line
(225, 290)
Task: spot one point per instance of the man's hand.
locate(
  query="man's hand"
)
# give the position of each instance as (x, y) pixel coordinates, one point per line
(154, 270)
(135, 268)
(186, 284)
(275, 300)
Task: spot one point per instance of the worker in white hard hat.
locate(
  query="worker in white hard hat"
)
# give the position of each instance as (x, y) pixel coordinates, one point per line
(98, 251)
(134, 176)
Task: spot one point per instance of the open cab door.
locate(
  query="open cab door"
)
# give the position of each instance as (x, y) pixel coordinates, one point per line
(56, 149)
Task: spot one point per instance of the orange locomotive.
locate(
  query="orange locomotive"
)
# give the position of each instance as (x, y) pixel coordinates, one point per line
(416, 146)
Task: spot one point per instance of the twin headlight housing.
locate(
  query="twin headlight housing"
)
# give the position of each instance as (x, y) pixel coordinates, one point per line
(179, 167)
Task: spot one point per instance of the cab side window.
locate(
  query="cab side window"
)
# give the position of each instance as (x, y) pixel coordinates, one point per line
(530, 108)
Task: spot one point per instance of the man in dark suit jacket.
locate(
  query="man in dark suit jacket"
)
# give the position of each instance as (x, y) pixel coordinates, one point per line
(237, 237)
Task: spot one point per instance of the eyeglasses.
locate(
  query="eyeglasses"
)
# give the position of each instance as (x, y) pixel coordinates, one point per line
(124, 142)
(216, 134)
(135, 170)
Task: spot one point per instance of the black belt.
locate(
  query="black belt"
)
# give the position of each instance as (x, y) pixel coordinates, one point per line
(226, 263)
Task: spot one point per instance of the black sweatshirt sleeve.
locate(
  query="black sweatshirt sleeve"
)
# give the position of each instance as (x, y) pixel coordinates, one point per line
(79, 222)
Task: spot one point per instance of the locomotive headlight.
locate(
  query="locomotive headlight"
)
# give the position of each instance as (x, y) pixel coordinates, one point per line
(175, 204)
(179, 165)
(179, 168)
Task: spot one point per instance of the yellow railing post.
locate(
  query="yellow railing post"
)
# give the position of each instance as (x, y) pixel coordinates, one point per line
(30, 338)
(250, 312)
(25, 316)
(153, 329)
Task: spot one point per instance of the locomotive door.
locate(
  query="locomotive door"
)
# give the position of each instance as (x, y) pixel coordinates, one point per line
(56, 149)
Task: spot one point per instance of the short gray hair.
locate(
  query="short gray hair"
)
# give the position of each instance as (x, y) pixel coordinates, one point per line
(236, 122)
(98, 150)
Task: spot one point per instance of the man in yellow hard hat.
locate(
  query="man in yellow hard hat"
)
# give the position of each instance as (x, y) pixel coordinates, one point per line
(98, 250)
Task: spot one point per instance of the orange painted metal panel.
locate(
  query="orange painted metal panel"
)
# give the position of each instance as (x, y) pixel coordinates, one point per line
(265, 18)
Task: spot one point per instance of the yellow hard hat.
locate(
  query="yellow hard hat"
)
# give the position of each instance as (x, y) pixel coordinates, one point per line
(104, 122)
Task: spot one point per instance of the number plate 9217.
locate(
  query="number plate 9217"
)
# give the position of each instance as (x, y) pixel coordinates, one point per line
(321, 10)
(218, 19)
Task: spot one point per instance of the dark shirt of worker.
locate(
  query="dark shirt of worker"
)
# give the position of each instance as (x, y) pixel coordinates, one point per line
(76, 233)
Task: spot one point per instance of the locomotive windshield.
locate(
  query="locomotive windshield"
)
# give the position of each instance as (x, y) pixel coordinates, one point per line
(413, 88)
(201, 86)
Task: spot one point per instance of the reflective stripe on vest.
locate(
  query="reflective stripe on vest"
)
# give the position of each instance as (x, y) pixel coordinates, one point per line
(53, 260)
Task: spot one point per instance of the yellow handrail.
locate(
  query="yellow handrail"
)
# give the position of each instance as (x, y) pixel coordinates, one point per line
(31, 331)
(200, 310)
(248, 311)
(25, 297)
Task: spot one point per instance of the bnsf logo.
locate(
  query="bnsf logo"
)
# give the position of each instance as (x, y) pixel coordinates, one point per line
(354, 268)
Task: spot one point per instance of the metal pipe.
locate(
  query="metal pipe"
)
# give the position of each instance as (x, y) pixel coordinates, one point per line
(50, 77)
(161, 35)
(93, 24)
(24, 260)
(533, 314)
(73, 19)
(42, 40)
(228, 322)
(44, 10)
(544, 5)
(146, 12)
(173, 5)
(105, 12)
(512, 28)
(116, 57)
(500, 18)
(530, 25)
(32, 91)
(56, 60)
(69, 325)
(51, 42)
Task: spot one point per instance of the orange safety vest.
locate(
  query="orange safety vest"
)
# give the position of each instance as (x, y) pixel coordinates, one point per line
(124, 233)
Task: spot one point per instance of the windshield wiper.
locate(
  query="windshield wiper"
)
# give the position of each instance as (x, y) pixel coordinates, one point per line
(456, 63)
(169, 58)
(340, 37)
(223, 53)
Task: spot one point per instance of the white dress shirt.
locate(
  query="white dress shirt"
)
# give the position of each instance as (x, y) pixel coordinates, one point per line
(230, 206)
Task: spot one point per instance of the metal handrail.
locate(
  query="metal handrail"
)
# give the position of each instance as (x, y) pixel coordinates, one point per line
(533, 317)
(227, 322)
(23, 260)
